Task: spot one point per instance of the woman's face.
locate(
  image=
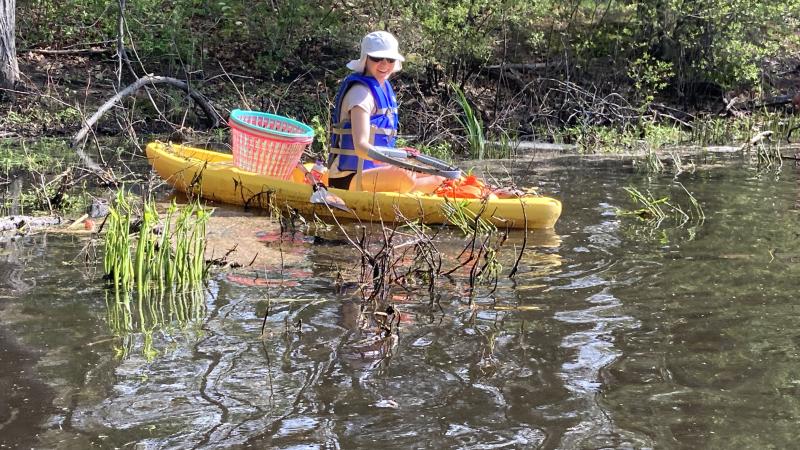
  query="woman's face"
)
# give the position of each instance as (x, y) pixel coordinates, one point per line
(380, 69)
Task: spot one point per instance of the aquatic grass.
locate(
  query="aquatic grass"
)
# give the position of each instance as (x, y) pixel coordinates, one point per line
(42, 155)
(505, 148)
(678, 163)
(659, 135)
(164, 257)
(643, 137)
(36, 185)
(117, 261)
(159, 260)
(651, 164)
(655, 210)
(651, 208)
(716, 130)
(699, 215)
(768, 156)
(779, 122)
(472, 125)
(459, 215)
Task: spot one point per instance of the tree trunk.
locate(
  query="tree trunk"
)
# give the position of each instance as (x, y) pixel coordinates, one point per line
(9, 70)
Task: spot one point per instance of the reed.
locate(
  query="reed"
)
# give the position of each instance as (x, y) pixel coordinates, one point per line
(768, 156)
(472, 125)
(160, 261)
(679, 165)
(505, 147)
(651, 207)
(168, 254)
(651, 164)
(698, 214)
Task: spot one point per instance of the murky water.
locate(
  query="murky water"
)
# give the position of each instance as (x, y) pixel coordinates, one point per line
(613, 334)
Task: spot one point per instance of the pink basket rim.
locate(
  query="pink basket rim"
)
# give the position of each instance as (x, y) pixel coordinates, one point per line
(257, 133)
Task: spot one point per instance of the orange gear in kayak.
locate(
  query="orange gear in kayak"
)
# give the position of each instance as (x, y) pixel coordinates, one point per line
(469, 186)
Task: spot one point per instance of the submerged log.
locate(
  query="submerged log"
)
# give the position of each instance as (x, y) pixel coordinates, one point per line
(22, 223)
(13, 226)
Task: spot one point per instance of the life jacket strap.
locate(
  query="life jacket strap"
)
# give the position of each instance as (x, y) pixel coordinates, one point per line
(343, 151)
(360, 169)
(349, 131)
(352, 152)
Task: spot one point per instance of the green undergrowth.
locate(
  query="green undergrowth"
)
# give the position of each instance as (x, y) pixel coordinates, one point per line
(42, 118)
(39, 200)
(40, 176)
(647, 136)
(441, 149)
(46, 155)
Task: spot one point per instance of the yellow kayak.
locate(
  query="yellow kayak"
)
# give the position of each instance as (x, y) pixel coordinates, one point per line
(212, 175)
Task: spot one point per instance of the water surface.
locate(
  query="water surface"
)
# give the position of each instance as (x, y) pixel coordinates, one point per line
(614, 333)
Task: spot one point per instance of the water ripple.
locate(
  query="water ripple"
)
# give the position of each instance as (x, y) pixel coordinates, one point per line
(594, 349)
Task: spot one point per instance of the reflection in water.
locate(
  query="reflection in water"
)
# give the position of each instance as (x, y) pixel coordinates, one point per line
(321, 362)
(135, 317)
(11, 267)
(614, 338)
(25, 399)
(595, 350)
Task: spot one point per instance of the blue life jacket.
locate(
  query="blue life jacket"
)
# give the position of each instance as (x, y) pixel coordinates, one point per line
(383, 124)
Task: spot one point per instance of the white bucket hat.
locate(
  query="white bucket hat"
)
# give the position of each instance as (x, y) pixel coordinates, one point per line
(379, 44)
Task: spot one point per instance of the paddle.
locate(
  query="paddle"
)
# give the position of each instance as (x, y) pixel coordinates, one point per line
(414, 162)
(320, 194)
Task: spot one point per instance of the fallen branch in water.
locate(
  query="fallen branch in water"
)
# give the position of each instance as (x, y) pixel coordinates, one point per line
(762, 136)
(11, 226)
(213, 116)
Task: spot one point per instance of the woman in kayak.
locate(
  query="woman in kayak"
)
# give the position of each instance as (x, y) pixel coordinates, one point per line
(365, 115)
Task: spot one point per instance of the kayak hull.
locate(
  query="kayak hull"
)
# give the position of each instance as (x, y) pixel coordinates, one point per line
(212, 175)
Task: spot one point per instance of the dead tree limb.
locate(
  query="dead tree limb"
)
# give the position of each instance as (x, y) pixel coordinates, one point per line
(211, 114)
(789, 133)
(523, 67)
(762, 136)
(778, 100)
(71, 51)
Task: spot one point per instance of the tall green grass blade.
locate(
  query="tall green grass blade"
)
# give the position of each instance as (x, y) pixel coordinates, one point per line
(472, 125)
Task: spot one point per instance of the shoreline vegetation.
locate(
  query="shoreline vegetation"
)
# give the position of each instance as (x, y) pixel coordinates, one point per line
(483, 80)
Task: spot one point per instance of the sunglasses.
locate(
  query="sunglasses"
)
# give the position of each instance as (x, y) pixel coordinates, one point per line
(377, 60)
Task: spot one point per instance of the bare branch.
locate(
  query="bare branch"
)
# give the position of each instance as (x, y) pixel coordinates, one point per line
(213, 116)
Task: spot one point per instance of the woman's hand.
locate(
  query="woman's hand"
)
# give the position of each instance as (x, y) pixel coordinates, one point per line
(411, 152)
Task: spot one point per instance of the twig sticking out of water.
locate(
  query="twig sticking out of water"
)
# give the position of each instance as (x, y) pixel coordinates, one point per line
(524, 244)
